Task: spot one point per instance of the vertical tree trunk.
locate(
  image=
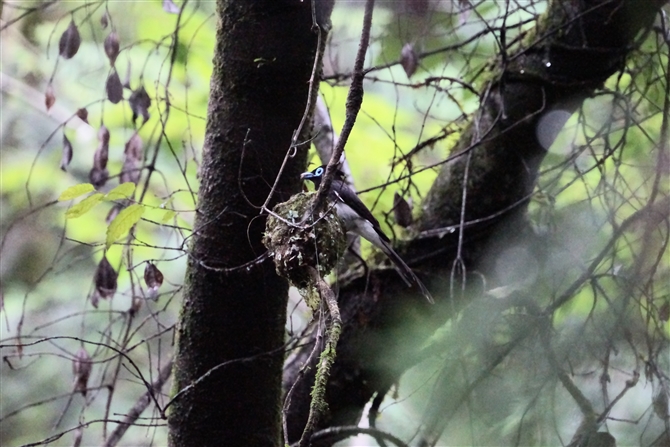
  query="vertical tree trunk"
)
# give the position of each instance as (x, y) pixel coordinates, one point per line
(235, 319)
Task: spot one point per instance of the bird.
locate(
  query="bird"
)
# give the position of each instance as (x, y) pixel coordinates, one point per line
(358, 219)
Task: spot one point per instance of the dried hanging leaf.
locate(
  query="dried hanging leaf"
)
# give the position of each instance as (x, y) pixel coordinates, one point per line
(66, 158)
(112, 46)
(153, 278)
(402, 211)
(133, 157)
(105, 279)
(408, 59)
(49, 97)
(69, 42)
(104, 20)
(81, 367)
(83, 115)
(140, 103)
(114, 88)
(169, 6)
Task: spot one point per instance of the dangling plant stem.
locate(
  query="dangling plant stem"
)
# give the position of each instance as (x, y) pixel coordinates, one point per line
(318, 403)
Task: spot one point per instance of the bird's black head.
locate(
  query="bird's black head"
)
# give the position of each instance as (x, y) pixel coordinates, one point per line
(314, 176)
(317, 174)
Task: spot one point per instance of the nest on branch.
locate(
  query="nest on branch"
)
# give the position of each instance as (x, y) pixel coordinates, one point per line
(319, 241)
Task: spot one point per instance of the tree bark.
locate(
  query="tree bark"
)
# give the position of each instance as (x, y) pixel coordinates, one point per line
(234, 319)
(575, 47)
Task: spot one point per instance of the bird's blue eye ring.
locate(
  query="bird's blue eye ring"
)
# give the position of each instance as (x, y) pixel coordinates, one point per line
(318, 171)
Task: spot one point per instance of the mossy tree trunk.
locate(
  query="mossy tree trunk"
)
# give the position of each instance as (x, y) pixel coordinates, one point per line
(233, 320)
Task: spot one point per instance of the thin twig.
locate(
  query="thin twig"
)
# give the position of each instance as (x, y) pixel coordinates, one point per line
(141, 404)
(353, 106)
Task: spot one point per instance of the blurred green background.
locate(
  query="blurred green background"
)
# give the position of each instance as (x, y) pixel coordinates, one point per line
(599, 171)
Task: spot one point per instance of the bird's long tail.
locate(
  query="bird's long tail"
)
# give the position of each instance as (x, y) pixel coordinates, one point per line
(405, 272)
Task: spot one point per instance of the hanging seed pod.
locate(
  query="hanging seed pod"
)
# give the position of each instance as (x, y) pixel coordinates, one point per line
(402, 211)
(69, 42)
(81, 368)
(140, 103)
(102, 153)
(105, 279)
(136, 305)
(114, 88)
(153, 279)
(98, 175)
(49, 97)
(104, 20)
(112, 47)
(408, 59)
(132, 160)
(82, 114)
(660, 403)
(664, 311)
(66, 158)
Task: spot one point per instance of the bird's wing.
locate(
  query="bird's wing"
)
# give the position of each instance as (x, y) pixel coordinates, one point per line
(347, 196)
(363, 223)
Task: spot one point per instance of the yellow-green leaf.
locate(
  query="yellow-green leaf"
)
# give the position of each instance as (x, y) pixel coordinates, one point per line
(123, 191)
(123, 222)
(168, 216)
(84, 206)
(76, 191)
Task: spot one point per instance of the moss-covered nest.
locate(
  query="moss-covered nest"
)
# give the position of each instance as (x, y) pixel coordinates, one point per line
(318, 242)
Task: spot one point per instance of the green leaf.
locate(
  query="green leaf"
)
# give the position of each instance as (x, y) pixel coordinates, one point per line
(84, 206)
(123, 222)
(168, 216)
(76, 191)
(123, 191)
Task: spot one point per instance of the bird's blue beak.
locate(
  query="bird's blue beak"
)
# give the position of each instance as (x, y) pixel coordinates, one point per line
(306, 176)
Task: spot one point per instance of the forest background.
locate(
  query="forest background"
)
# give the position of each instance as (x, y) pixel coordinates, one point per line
(552, 330)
